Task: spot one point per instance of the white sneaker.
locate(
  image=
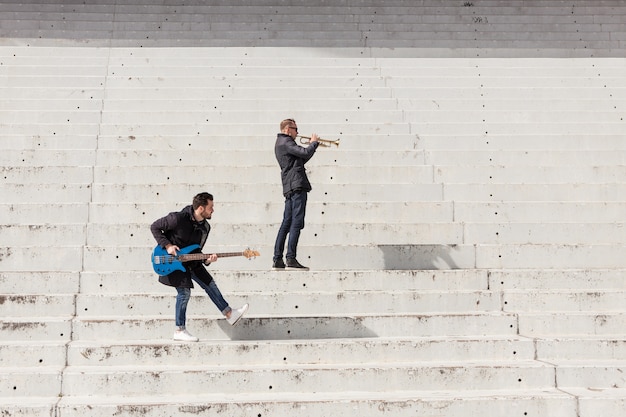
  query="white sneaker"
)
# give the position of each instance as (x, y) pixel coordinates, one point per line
(184, 336)
(235, 315)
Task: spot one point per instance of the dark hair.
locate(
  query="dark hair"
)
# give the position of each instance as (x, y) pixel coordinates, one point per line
(287, 122)
(202, 200)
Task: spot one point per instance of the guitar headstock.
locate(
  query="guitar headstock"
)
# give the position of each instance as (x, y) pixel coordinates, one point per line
(248, 253)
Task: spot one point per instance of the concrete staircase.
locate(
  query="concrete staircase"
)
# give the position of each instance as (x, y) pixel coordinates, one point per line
(582, 28)
(466, 240)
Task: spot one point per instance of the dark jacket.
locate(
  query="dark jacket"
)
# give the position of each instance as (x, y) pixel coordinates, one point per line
(291, 157)
(181, 229)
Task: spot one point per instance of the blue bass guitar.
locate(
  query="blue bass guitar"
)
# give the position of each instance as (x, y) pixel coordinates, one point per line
(164, 264)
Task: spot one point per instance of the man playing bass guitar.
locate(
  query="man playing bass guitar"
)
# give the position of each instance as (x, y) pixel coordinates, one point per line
(179, 230)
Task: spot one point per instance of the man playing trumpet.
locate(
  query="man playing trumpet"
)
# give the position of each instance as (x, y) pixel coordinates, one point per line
(291, 157)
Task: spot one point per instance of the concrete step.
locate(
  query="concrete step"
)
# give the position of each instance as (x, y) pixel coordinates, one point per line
(491, 104)
(508, 212)
(314, 303)
(31, 258)
(592, 375)
(501, 81)
(317, 212)
(48, 142)
(259, 158)
(580, 279)
(56, 193)
(477, 95)
(500, 127)
(240, 58)
(396, 256)
(49, 282)
(298, 352)
(296, 303)
(63, 213)
(95, 81)
(226, 103)
(33, 305)
(504, 214)
(323, 257)
(562, 351)
(221, 93)
(234, 71)
(260, 115)
(42, 329)
(42, 234)
(542, 192)
(489, 69)
(556, 256)
(119, 193)
(607, 402)
(336, 174)
(491, 112)
(260, 174)
(178, 80)
(191, 380)
(542, 174)
(21, 382)
(344, 171)
(543, 233)
(372, 142)
(393, 256)
(101, 282)
(315, 19)
(261, 128)
(513, 159)
(293, 327)
(548, 325)
(32, 158)
(46, 174)
(531, 142)
(33, 354)
(550, 301)
(76, 105)
(258, 234)
(405, 403)
(187, 159)
(581, 348)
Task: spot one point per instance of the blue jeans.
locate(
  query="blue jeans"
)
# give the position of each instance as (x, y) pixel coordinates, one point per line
(293, 222)
(182, 299)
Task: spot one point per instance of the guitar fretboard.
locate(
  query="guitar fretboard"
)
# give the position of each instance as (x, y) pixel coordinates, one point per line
(192, 257)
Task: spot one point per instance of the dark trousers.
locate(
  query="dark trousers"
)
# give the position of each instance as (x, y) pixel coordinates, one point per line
(293, 223)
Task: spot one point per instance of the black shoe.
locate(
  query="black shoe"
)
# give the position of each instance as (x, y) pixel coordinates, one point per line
(278, 265)
(294, 264)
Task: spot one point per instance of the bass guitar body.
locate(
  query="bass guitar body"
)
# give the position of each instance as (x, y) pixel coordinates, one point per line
(164, 264)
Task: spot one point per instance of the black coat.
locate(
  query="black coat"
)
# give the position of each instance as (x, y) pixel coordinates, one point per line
(181, 229)
(291, 157)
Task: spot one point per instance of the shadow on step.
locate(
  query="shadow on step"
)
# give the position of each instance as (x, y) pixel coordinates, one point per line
(296, 328)
(410, 256)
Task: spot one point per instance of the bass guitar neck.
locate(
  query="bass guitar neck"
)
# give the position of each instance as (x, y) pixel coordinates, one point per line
(164, 264)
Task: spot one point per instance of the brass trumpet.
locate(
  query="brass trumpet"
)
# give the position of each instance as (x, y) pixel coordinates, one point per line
(305, 140)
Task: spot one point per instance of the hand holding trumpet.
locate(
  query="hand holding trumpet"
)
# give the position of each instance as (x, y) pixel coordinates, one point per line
(314, 138)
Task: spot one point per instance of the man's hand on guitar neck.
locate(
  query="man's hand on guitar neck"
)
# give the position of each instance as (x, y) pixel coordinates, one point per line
(173, 250)
(212, 258)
